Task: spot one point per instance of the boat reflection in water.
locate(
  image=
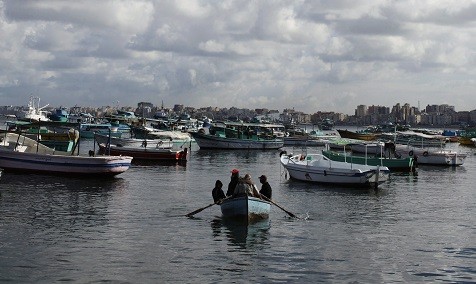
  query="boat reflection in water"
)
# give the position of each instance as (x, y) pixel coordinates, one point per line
(241, 234)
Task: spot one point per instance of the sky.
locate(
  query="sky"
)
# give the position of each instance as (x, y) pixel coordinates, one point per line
(328, 55)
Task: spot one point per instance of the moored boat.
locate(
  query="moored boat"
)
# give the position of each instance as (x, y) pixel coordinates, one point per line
(132, 142)
(431, 156)
(245, 208)
(34, 111)
(19, 153)
(87, 130)
(393, 164)
(232, 135)
(146, 153)
(359, 135)
(320, 169)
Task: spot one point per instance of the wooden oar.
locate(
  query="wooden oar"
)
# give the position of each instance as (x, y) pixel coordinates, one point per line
(209, 205)
(199, 210)
(279, 206)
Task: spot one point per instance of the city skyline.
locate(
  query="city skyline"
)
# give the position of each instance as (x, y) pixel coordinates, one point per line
(306, 55)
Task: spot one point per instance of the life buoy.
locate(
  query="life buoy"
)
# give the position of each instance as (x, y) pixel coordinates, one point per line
(425, 153)
(410, 153)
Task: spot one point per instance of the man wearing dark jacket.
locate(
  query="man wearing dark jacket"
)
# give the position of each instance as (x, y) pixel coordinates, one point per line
(265, 188)
(217, 192)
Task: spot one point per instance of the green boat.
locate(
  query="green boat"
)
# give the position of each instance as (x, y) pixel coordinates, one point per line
(394, 164)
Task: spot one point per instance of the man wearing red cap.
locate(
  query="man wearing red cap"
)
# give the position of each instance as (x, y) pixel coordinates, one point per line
(235, 177)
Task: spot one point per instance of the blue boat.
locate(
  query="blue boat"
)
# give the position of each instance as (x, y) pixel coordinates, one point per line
(245, 208)
(59, 114)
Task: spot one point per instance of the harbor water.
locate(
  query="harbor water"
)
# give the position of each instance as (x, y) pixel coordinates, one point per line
(133, 229)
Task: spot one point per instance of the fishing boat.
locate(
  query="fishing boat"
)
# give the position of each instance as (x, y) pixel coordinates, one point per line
(245, 208)
(59, 115)
(300, 137)
(19, 153)
(431, 156)
(236, 135)
(419, 139)
(359, 135)
(87, 130)
(57, 135)
(133, 142)
(34, 111)
(320, 169)
(393, 164)
(146, 132)
(146, 153)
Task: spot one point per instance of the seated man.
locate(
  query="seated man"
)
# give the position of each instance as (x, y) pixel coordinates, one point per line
(265, 188)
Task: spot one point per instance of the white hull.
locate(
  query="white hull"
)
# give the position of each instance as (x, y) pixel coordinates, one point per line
(207, 141)
(132, 142)
(317, 168)
(431, 157)
(28, 156)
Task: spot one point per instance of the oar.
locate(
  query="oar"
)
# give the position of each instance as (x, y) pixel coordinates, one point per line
(279, 206)
(199, 210)
(203, 208)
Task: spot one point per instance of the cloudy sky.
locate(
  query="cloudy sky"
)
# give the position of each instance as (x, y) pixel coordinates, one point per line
(328, 55)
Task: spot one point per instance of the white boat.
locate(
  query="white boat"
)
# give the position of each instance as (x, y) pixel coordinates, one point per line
(418, 139)
(87, 130)
(133, 142)
(147, 153)
(21, 154)
(320, 169)
(34, 112)
(431, 156)
(233, 135)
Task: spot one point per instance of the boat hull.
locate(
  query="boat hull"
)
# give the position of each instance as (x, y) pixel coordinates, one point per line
(143, 153)
(57, 164)
(132, 142)
(207, 141)
(355, 135)
(245, 208)
(25, 155)
(435, 157)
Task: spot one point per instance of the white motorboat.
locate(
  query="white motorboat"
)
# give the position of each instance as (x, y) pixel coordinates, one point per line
(320, 169)
(133, 142)
(431, 156)
(21, 154)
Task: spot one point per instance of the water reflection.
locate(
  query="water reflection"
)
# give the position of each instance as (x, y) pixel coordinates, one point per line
(239, 233)
(64, 203)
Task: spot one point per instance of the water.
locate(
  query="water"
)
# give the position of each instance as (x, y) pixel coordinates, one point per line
(132, 229)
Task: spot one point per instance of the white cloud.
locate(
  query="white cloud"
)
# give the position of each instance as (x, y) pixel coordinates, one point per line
(312, 55)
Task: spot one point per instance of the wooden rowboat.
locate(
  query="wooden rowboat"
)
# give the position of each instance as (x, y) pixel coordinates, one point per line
(245, 208)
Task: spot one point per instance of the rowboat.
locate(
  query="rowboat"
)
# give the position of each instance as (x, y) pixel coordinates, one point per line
(245, 208)
(146, 153)
(21, 154)
(320, 169)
